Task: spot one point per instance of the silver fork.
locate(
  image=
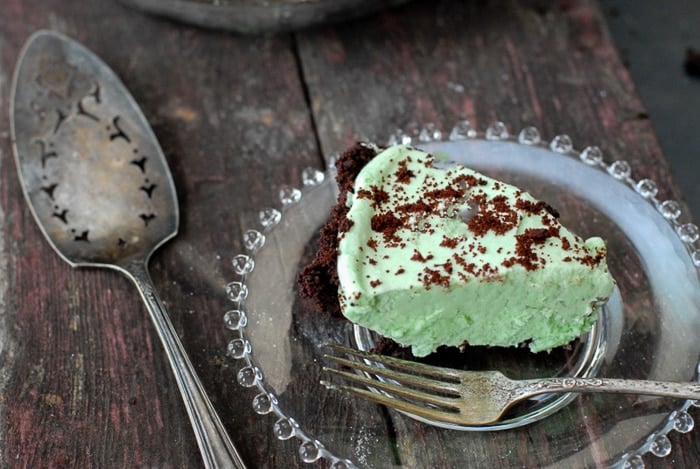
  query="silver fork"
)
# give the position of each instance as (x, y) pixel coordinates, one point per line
(467, 397)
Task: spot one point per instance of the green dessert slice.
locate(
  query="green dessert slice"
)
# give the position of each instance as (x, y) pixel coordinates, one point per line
(437, 254)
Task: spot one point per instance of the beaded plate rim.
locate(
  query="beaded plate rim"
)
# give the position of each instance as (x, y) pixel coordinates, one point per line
(239, 348)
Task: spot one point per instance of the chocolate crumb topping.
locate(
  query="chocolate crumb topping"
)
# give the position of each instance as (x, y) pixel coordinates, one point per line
(535, 207)
(417, 256)
(494, 215)
(414, 207)
(434, 277)
(524, 254)
(364, 194)
(591, 260)
(387, 224)
(450, 243)
(449, 193)
(403, 174)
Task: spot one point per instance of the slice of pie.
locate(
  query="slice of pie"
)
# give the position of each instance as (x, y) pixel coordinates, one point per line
(431, 253)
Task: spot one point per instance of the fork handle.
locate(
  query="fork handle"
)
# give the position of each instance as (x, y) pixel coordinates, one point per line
(214, 443)
(680, 390)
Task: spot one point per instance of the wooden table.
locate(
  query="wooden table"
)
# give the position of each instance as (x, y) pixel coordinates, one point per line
(83, 380)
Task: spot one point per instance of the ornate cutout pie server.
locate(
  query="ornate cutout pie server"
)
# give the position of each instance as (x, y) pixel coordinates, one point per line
(100, 189)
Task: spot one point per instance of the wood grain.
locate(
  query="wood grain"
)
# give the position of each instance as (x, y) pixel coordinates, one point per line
(88, 384)
(83, 381)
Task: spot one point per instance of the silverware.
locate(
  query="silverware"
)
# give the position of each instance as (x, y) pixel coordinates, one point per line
(100, 189)
(467, 397)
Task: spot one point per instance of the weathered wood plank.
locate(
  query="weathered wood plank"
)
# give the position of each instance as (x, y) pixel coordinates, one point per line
(87, 384)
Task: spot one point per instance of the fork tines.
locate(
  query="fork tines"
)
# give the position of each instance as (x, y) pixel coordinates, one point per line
(423, 390)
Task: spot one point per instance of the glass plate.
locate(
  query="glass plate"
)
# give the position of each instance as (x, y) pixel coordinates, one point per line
(648, 329)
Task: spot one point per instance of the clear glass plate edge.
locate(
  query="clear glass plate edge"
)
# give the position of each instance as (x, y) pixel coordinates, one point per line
(251, 376)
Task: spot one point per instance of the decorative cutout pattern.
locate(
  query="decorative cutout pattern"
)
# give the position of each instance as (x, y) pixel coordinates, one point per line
(87, 107)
